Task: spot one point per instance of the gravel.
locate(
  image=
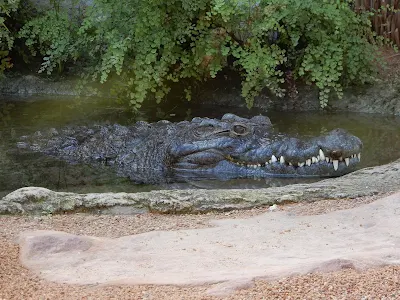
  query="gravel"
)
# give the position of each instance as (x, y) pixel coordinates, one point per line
(17, 282)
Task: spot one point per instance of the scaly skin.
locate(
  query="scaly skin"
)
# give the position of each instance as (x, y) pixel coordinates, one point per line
(232, 147)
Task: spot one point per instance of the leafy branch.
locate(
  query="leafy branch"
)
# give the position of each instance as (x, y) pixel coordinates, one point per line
(147, 45)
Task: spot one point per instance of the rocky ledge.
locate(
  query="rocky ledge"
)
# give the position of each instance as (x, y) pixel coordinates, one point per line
(362, 183)
(380, 97)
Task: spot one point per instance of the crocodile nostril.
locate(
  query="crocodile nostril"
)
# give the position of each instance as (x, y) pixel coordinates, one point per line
(336, 154)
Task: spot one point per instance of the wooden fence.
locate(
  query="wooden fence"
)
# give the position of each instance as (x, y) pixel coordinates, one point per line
(386, 21)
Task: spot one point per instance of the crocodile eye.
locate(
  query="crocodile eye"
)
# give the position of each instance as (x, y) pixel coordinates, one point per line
(240, 129)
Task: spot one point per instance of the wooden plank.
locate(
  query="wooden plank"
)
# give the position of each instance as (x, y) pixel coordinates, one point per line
(376, 24)
(392, 26)
(388, 25)
(384, 12)
(397, 18)
(357, 5)
(377, 4)
(397, 37)
(368, 4)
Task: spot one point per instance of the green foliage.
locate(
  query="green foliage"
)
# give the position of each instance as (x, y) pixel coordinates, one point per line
(341, 48)
(147, 45)
(54, 34)
(6, 37)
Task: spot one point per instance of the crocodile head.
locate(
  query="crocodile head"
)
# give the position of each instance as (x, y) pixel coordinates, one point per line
(236, 147)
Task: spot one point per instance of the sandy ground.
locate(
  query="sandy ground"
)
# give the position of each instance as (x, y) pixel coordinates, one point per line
(16, 282)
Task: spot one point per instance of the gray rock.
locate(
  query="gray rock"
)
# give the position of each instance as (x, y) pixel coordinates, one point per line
(365, 182)
(29, 85)
(229, 255)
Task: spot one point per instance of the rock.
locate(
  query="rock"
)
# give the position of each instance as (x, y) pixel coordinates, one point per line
(31, 85)
(273, 207)
(231, 253)
(364, 182)
(34, 87)
(380, 97)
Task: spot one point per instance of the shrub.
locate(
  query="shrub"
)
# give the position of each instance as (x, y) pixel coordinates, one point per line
(6, 37)
(148, 45)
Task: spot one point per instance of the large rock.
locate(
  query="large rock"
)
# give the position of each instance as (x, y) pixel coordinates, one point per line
(365, 182)
(232, 253)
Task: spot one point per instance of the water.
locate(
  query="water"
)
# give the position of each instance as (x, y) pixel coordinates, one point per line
(380, 135)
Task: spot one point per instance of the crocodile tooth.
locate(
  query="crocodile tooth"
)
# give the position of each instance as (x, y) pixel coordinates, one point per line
(327, 159)
(258, 165)
(270, 161)
(340, 158)
(321, 154)
(282, 160)
(290, 164)
(273, 158)
(314, 159)
(347, 161)
(301, 164)
(335, 164)
(266, 163)
(255, 166)
(308, 162)
(359, 156)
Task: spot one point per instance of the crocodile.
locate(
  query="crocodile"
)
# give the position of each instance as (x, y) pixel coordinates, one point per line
(227, 148)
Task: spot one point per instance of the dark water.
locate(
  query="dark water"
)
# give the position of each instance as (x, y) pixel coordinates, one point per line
(380, 135)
